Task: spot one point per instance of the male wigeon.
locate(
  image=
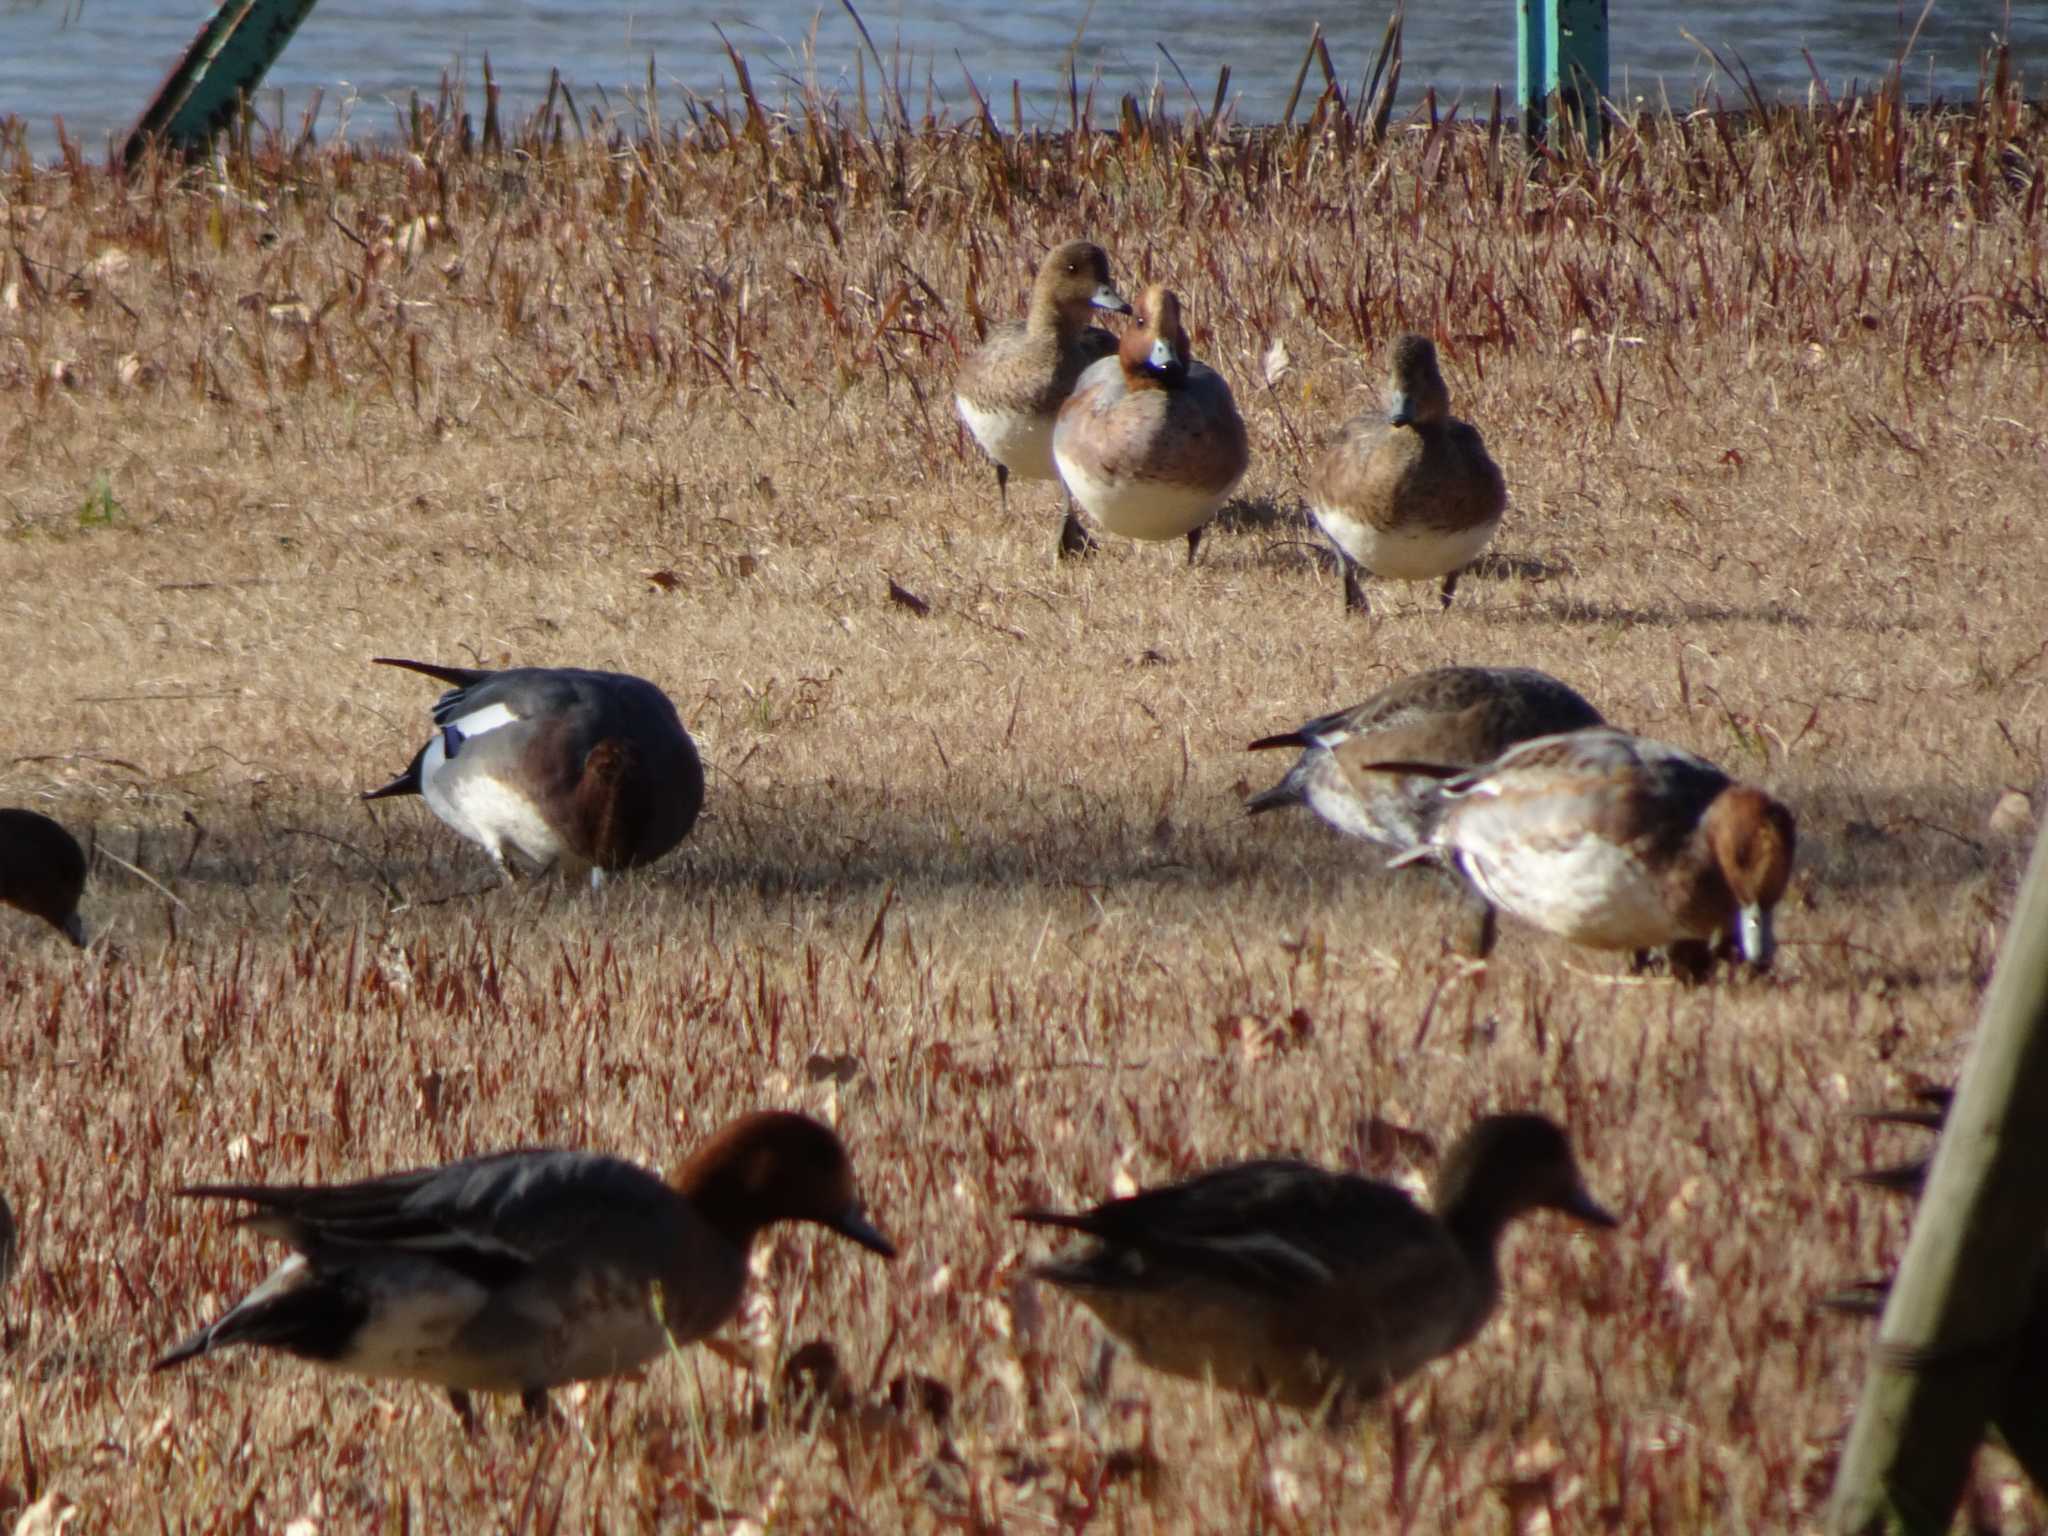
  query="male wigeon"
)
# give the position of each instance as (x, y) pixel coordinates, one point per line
(561, 767)
(1457, 716)
(42, 871)
(1313, 1288)
(1150, 442)
(1010, 390)
(523, 1270)
(1615, 842)
(1409, 493)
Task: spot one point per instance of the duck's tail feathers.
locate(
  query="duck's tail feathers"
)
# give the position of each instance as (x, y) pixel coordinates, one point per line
(461, 677)
(1284, 739)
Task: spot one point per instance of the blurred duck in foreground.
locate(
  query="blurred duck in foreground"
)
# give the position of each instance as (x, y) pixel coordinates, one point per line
(1312, 1288)
(524, 1270)
(42, 871)
(562, 768)
(1150, 442)
(1615, 842)
(1456, 716)
(1409, 493)
(1010, 391)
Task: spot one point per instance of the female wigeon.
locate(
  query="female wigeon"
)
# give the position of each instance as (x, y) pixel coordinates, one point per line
(1010, 390)
(523, 1270)
(1150, 442)
(42, 871)
(1410, 493)
(564, 768)
(1313, 1288)
(1457, 716)
(1615, 842)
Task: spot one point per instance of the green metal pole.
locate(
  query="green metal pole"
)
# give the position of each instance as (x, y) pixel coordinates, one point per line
(1957, 1314)
(222, 68)
(1561, 71)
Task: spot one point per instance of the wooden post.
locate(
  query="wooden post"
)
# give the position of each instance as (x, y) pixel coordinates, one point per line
(1955, 1318)
(1561, 64)
(224, 65)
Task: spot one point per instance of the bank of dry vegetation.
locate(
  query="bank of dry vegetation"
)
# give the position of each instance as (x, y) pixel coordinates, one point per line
(674, 398)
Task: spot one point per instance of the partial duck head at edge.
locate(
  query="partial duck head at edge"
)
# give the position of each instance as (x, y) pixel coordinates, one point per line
(1154, 352)
(1504, 1167)
(42, 871)
(1752, 839)
(1416, 393)
(1072, 280)
(773, 1166)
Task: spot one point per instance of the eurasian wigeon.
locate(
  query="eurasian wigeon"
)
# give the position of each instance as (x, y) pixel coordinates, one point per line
(1150, 442)
(1457, 716)
(521, 1271)
(1615, 842)
(1010, 390)
(561, 767)
(42, 871)
(1409, 493)
(1313, 1288)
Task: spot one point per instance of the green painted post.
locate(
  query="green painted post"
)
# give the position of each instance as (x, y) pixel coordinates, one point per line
(1957, 1324)
(1561, 63)
(226, 62)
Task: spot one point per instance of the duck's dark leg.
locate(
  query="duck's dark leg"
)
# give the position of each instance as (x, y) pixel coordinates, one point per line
(1354, 591)
(1450, 585)
(1074, 539)
(1003, 486)
(1194, 543)
(1691, 960)
(464, 1409)
(1480, 928)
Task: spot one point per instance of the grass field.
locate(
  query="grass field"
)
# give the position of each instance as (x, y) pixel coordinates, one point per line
(972, 881)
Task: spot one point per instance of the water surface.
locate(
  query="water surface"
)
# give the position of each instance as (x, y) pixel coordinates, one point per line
(96, 62)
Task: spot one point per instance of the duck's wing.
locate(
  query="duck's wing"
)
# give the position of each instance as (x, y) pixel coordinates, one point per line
(489, 1218)
(1271, 1226)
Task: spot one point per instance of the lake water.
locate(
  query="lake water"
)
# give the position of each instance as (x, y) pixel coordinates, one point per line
(96, 62)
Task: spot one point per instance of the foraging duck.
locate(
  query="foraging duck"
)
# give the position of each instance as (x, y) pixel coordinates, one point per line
(559, 766)
(1150, 442)
(1457, 716)
(1313, 1288)
(42, 871)
(520, 1271)
(1010, 390)
(1410, 494)
(1614, 842)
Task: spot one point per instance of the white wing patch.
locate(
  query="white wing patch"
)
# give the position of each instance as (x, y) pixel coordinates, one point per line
(478, 721)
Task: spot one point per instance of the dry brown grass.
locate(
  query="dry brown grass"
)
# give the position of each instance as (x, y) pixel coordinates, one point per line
(1771, 400)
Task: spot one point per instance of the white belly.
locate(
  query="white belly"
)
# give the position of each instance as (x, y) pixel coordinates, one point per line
(1017, 440)
(1403, 554)
(1590, 892)
(1140, 508)
(487, 811)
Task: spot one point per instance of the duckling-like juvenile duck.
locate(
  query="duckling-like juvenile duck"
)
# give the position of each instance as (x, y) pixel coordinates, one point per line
(42, 871)
(558, 767)
(1313, 1288)
(1410, 493)
(1615, 842)
(1458, 716)
(1009, 392)
(521, 1271)
(1150, 443)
